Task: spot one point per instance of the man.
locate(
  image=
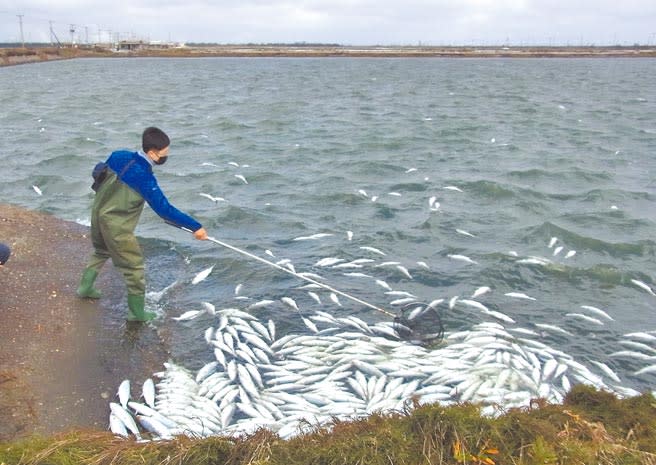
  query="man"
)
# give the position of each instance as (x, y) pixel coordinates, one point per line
(129, 183)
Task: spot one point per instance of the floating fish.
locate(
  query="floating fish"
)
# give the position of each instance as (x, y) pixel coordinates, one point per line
(383, 284)
(260, 304)
(586, 318)
(519, 295)
(404, 270)
(557, 250)
(643, 286)
(570, 254)
(312, 237)
(289, 302)
(552, 242)
(241, 177)
(462, 258)
(373, 249)
(349, 235)
(452, 188)
(465, 233)
(212, 198)
(189, 315)
(598, 311)
(202, 275)
(480, 291)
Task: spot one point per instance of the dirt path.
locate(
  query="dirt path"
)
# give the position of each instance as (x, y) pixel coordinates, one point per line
(62, 358)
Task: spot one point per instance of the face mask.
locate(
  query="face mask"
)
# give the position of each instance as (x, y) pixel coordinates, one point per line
(161, 160)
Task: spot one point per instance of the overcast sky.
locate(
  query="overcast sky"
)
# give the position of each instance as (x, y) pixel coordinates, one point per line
(348, 22)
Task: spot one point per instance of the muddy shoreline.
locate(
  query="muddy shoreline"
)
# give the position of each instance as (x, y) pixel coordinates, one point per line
(15, 56)
(62, 358)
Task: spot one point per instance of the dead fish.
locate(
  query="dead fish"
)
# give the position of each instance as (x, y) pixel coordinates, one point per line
(124, 392)
(37, 190)
(241, 177)
(315, 297)
(480, 291)
(464, 233)
(552, 242)
(373, 249)
(452, 188)
(571, 253)
(598, 311)
(190, 315)
(335, 299)
(462, 258)
(404, 270)
(290, 302)
(260, 304)
(212, 198)
(519, 295)
(383, 284)
(202, 275)
(643, 285)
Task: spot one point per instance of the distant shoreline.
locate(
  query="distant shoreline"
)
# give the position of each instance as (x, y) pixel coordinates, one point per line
(15, 56)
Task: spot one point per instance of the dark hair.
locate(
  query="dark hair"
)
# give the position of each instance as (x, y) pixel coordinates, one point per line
(154, 138)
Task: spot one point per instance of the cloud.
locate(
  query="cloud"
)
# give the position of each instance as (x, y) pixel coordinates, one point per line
(345, 21)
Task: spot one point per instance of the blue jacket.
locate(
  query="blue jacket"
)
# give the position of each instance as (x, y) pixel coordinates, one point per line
(137, 173)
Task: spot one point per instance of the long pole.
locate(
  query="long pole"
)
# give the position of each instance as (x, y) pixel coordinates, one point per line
(20, 22)
(287, 270)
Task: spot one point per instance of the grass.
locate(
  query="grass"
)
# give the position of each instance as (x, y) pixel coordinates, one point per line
(590, 427)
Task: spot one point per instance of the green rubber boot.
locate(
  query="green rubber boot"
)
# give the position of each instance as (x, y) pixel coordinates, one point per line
(86, 289)
(136, 312)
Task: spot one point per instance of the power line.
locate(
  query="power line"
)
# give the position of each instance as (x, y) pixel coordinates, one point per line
(20, 22)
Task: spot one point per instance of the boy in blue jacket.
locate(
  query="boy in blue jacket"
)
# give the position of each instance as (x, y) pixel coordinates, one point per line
(117, 207)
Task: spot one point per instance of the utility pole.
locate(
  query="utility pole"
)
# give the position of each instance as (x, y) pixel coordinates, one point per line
(20, 22)
(72, 31)
(86, 35)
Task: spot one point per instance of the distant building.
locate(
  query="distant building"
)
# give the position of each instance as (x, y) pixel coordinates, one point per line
(131, 45)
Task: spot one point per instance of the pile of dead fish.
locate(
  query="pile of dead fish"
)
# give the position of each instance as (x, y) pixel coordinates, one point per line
(347, 370)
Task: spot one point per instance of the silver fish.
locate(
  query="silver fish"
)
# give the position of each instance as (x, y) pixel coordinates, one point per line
(462, 258)
(643, 286)
(202, 275)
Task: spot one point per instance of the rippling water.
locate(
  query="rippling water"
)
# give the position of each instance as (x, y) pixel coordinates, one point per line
(540, 148)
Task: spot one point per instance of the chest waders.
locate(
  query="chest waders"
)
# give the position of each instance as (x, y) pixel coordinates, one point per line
(114, 217)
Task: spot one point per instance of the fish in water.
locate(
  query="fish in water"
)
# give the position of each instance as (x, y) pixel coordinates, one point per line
(462, 258)
(202, 275)
(212, 198)
(241, 177)
(37, 190)
(452, 188)
(289, 302)
(480, 291)
(519, 295)
(312, 237)
(643, 286)
(373, 249)
(465, 233)
(552, 242)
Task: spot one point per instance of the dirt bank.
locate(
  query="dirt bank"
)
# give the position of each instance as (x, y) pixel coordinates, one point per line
(62, 358)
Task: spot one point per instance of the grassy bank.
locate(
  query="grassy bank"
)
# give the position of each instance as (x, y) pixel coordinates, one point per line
(590, 427)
